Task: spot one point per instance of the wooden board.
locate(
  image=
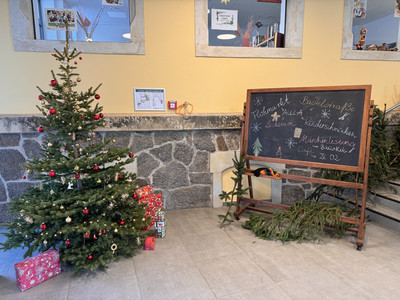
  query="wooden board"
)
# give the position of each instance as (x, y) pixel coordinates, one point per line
(322, 127)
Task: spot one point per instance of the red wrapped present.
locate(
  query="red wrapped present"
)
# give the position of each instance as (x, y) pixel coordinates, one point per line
(149, 243)
(37, 269)
(144, 191)
(154, 204)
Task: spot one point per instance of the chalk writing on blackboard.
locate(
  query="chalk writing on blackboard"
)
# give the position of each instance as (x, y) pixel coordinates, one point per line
(307, 125)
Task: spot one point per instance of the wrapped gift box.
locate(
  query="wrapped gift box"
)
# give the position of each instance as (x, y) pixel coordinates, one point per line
(144, 191)
(37, 269)
(160, 229)
(149, 243)
(154, 204)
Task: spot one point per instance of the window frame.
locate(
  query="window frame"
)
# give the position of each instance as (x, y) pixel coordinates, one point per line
(21, 13)
(293, 37)
(347, 41)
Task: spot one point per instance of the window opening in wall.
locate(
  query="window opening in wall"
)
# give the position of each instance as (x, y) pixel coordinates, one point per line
(243, 23)
(376, 25)
(91, 20)
(261, 186)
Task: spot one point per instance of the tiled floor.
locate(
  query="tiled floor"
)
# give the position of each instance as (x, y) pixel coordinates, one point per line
(198, 260)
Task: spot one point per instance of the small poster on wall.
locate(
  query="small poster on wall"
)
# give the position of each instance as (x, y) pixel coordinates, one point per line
(55, 19)
(223, 19)
(397, 9)
(113, 2)
(149, 99)
(360, 9)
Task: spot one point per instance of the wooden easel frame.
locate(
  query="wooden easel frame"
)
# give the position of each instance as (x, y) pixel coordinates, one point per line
(360, 222)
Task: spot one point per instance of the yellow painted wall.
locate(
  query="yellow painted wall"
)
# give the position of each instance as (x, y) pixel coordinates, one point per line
(212, 85)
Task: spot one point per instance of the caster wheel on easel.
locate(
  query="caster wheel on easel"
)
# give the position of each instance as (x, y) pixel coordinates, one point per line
(359, 248)
(237, 218)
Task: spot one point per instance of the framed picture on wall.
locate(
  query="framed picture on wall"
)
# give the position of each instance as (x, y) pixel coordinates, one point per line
(149, 99)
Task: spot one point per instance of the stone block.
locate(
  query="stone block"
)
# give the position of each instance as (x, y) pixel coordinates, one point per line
(16, 189)
(5, 215)
(183, 153)
(306, 186)
(201, 163)
(146, 164)
(163, 153)
(291, 194)
(200, 178)
(142, 141)
(203, 141)
(232, 139)
(162, 137)
(9, 139)
(32, 148)
(10, 164)
(298, 172)
(3, 192)
(221, 144)
(122, 139)
(194, 196)
(142, 182)
(172, 175)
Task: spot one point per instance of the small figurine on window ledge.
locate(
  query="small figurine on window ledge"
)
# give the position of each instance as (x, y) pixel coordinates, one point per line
(361, 42)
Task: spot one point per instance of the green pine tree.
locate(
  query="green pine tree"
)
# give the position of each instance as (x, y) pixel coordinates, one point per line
(85, 204)
(257, 147)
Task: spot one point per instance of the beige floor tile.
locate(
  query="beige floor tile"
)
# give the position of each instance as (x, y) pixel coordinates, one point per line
(259, 293)
(179, 282)
(209, 245)
(233, 274)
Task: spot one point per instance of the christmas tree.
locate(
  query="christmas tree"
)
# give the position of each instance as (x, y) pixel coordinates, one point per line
(85, 204)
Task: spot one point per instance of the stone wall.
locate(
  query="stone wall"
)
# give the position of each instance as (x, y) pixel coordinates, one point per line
(174, 160)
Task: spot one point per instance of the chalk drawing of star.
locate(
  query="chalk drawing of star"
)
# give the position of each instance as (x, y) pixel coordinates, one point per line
(326, 113)
(258, 101)
(291, 143)
(225, 1)
(275, 117)
(256, 127)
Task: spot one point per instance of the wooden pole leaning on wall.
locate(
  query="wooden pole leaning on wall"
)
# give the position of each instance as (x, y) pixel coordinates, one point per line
(309, 135)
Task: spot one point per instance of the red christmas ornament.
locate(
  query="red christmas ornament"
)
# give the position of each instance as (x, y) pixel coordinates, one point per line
(43, 226)
(77, 176)
(80, 58)
(40, 129)
(23, 177)
(134, 196)
(101, 115)
(93, 144)
(90, 257)
(96, 167)
(52, 173)
(85, 211)
(67, 242)
(131, 155)
(96, 117)
(119, 176)
(122, 222)
(55, 55)
(52, 111)
(97, 96)
(82, 116)
(40, 97)
(53, 82)
(95, 237)
(87, 235)
(75, 62)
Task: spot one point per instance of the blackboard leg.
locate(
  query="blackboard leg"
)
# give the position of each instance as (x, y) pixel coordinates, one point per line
(360, 237)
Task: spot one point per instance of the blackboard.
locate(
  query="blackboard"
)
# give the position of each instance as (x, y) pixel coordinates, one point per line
(318, 126)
